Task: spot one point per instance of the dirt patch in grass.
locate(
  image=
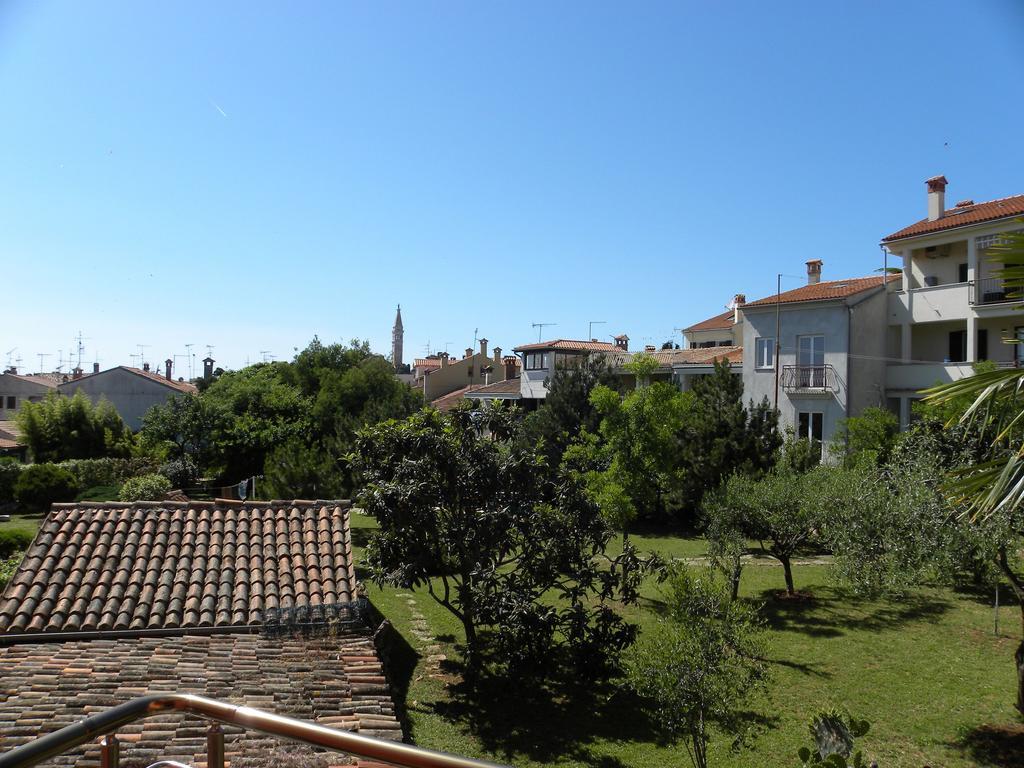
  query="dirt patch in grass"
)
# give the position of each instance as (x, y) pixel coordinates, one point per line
(995, 745)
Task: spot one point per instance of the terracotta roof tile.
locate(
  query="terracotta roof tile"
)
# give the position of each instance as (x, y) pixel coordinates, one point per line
(962, 215)
(832, 289)
(180, 386)
(449, 401)
(334, 681)
(173, 565)
(724, 321)
(571, 345)
(427, 362)
(699, 356)
(507, 387)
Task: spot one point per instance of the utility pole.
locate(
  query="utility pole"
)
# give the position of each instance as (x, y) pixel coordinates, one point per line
(540, 329)
(590, 327)
(778, 345)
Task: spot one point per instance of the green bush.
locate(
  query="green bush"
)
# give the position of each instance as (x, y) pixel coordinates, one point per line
(40, 485)
(9, 470)
(13, 540)
(106, 471)
(145, 488)
(7, 569)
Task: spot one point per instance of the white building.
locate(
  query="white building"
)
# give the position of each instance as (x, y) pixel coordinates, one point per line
(950, 310)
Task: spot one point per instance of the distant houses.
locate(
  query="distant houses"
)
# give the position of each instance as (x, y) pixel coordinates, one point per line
(132, 391)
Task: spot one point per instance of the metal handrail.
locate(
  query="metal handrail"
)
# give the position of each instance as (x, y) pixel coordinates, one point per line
(808, 377)
(107, 722)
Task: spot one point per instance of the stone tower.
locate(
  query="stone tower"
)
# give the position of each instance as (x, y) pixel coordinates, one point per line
(396, 341)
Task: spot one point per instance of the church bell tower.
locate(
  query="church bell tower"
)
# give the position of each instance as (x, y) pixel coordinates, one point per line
(397, 334)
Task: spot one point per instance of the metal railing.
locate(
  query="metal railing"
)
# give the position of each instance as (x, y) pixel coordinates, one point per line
(992, 290)
(815, 378)
(104, 724)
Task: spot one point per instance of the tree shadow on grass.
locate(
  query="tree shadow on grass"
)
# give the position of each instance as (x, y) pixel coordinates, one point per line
(548, 722)
(826, 616)
(994, 745)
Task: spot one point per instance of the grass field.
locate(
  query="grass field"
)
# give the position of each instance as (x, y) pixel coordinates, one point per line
(27, 523)
(928, 672)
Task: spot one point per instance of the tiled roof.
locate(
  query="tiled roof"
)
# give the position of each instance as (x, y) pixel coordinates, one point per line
(569, 344)
(427, 362)
(449, 401)
(165, 565)
(334, 681)
(962, 215)
(507, 387)
(724, 321)
(180, 386)
(832, 289)
(45, 379)
(700, 356)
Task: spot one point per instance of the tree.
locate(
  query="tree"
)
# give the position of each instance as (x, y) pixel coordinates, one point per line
(185, 428)
(512, 550)
(698, 667)
(872, 434)
(40, 485)
(721, 437)
(774, 509)
(567, 410)
(59, 428)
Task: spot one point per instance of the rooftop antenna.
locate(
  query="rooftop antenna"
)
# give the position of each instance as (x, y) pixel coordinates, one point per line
(590, 327)
(81, 347)
(446, 345)
(191, 359)
(209, 350)
(42, 356)
(142, 352)
(265, 354)
(540, 328)
(134, 357)
(10, 352)
(682, 336)
(60, 359)
(426, 348)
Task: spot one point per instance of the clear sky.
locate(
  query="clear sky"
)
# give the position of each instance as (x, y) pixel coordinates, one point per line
(249, 174)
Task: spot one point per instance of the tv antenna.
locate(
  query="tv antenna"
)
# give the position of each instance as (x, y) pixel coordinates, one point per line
(60, 359)
(540, 328)
(10, 352)
(265, 354)
(446, 345)
(81, 347)
(209, 350)
(682, 336)
(191, 359)
(42, 356)
(590, 327)
(142, 353)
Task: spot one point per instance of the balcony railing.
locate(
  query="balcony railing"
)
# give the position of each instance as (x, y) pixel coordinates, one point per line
(808, 378)
(992, 290)
(105, 723)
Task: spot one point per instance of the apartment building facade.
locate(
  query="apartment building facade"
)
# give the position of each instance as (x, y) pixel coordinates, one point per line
(949, 309)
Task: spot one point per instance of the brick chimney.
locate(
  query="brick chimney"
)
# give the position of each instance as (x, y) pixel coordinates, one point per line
(76, 373)
(814, 271)
(167, 368)
(650, 348)
(737, 303)
(95, 367)
(622, 342)
(145, 366)
(510, 366)
(443, 357)
(483, 347)
(469, 351)
(936, 197)
(497, 355)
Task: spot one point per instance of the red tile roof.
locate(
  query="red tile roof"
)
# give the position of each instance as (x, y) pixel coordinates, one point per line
(572, 345)
(724, 321)
(180, 386)
(167, 565)
(832, 289)
(962, 215)
(507, 387)
(449, 401)
(334, 681)
(427, 362)
(45, 379)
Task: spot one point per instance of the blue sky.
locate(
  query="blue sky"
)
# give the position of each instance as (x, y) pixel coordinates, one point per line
(249, 174)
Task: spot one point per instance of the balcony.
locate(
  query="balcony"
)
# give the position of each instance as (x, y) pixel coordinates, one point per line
(809, 379)
(991, 290)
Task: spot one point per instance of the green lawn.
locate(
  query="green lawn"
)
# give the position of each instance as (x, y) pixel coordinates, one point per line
(27, 523)
(927, 671)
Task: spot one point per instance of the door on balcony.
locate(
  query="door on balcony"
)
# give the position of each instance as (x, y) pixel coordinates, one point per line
(810, 360)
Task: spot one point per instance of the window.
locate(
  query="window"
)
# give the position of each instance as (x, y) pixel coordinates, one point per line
(810, 425)
(536, 361)
(962, 272)
(810, 357)
(12, 402)
(957, 346)
(982, 346)
(764, 352)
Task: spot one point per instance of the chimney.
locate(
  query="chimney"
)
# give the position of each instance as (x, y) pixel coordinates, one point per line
(469, 351)
(95, 367)
(443, 357)
(510, 366)
(497, 355)
(936, 197)
(145, 366)
(167, 368)
(76, 373)
(622, 342)
(650, 348)
(737, 303)
(483, 347)
(208, 368)
(814, 271)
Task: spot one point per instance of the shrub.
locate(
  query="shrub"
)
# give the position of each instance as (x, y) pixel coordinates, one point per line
(13, 540)
(145, 488)
(107, 470)
(9, 471)
(101, 493)
(180, 472)
(40, 485)
(7, 569)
